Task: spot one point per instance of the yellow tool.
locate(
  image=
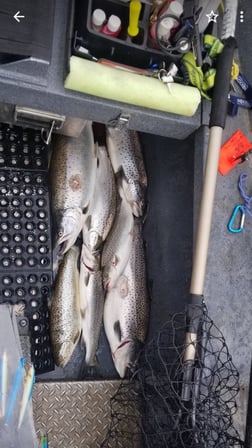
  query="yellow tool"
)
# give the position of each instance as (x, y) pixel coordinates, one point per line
(135, 7)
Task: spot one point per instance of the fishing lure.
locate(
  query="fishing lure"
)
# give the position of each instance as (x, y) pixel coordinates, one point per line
(28, 387)
(14, 390)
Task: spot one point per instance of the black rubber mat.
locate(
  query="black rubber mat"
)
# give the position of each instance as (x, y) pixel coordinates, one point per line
(25, 239)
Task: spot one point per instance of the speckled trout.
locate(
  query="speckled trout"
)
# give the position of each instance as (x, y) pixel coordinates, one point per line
(100, 215)
(126, 309)
(125, 153)
(65, 322)
(72, 174)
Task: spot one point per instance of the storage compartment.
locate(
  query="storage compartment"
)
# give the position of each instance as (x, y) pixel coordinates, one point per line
(138, 51)
(26, 38)
(170, 171)
(36, 84)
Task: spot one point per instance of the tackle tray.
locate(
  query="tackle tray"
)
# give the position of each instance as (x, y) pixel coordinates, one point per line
(139, 51)
(25, 240)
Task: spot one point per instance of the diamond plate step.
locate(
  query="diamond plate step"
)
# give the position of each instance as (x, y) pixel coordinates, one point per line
(75, 414)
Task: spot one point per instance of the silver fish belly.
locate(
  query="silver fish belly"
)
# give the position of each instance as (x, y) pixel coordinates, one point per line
(117, 246)
(101, 213)
(92, 303)
(65, 324)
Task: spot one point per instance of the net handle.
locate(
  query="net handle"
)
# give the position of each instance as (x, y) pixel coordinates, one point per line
(217, 124)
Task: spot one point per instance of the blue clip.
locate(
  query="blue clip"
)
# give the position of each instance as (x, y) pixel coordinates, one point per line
(237, 209)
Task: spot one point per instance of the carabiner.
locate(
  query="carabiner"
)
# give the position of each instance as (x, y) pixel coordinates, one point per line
(237, 209)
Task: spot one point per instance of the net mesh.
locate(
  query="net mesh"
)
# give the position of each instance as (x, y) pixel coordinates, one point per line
(147, 410)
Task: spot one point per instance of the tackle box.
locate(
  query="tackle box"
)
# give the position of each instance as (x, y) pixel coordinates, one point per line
(73, 404)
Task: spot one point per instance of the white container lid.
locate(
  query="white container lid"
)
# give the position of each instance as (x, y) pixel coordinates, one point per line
(165, 26)
(98, 17)
(114, 23)
(175, 8)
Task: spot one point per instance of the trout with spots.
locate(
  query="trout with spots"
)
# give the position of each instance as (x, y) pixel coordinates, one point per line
(125, 153)
(65, 319)
(100, 215)
(72, 175)
(126, 309)
(116, 250)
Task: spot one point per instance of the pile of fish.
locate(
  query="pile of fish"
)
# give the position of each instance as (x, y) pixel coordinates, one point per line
(98, 192)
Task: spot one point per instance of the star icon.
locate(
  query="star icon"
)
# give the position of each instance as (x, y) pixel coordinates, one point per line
(212, 17)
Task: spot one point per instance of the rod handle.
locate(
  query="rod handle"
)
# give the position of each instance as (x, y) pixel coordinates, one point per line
(222, 84)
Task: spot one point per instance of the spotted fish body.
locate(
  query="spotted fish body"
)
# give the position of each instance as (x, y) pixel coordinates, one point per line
(126, 309)
(91, 303)
(65, 324)
(126, 157)
(101, 213)
(72, 179)
(117, 246)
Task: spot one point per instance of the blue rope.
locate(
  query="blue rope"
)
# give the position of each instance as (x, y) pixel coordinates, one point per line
(247, 199)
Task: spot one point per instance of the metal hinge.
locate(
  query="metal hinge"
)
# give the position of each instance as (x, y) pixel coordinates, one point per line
(47, 122)
(120, 121)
